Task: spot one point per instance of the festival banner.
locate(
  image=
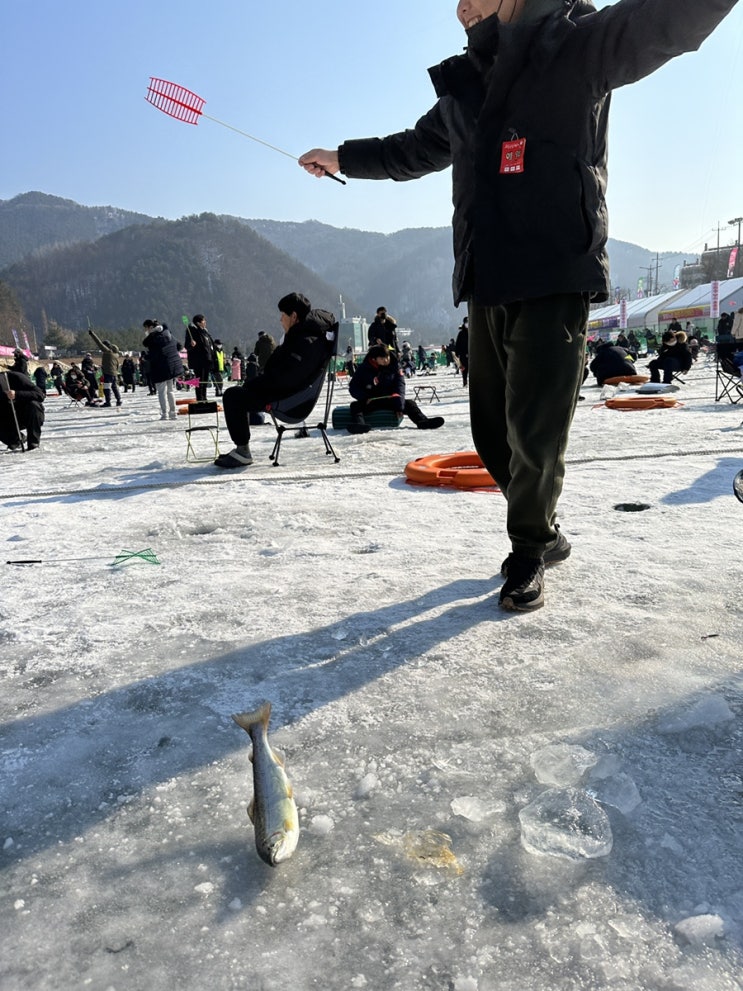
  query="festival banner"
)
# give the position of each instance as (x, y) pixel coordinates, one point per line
(731, 262)
(714, 310)
(623, 315)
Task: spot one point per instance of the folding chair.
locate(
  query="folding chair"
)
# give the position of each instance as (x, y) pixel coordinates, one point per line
(295, 409)
(74, 401)
(202, 409)
(728, 381)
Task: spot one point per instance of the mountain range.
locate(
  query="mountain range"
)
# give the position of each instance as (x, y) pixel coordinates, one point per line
(73, 265)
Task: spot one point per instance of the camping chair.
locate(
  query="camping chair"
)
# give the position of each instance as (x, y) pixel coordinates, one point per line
(76, 397)
(728, 381)
(295, 409)
(202, 409)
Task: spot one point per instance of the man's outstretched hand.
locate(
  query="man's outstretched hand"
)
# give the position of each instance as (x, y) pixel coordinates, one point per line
(320, 162)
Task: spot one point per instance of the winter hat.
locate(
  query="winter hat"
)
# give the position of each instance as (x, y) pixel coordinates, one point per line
(295, 302)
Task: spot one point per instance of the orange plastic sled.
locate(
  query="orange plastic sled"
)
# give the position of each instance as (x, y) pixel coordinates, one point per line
(642, 402)
(462, 471)
(631, 379)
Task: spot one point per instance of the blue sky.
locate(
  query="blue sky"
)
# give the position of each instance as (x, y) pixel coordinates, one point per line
(300, 74)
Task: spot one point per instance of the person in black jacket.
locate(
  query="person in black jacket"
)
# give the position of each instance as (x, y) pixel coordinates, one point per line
(383, 329)
(462, 349)
(379, 384)
(674, 357)
(201, 353)
(522, 119)
(611, 361)
(21, 406)
(165, 365)
(308, 337)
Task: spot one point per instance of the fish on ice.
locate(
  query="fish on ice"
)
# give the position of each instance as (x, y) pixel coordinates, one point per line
(272, 809)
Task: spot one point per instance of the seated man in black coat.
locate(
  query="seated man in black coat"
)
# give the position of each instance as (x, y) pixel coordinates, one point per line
(611, 362)
(674, 356)
(309, 335)
(21, 406)
(379, 384)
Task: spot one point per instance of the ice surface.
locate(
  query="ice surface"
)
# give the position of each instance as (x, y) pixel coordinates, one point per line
(561, 764)
(566, 822)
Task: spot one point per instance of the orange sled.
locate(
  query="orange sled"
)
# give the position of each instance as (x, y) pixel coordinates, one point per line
(642, 402)
(462, 471)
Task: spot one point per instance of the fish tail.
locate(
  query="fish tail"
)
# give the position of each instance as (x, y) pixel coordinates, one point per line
(259, 716)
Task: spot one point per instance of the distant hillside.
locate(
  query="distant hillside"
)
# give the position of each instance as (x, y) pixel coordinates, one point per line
(68, 263)
(216, 265)
(410, 271)
(35, 221)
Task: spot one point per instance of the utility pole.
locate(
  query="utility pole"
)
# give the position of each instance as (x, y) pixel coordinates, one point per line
(657, 273)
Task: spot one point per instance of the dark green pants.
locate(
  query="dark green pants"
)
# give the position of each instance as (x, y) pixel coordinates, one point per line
(526, 369)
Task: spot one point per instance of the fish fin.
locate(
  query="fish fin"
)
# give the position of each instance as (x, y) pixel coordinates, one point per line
(289, 790)
(247, 720)
(278, 756)
(251, 810)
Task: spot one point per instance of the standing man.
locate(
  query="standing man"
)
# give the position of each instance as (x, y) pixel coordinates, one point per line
(110, 356)
(522, 119)
(264, 348)
(200, 350)
(383, 330)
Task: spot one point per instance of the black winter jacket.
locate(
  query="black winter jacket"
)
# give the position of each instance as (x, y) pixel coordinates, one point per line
(372, 381)
(165, 361)
(199, 347)
(541, 231)
(610, 362)
(25, 390)
(305, 349)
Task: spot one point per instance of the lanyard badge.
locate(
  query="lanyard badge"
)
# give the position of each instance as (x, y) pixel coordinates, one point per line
(512, 157)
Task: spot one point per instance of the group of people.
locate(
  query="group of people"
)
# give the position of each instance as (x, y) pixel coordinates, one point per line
(675, 357)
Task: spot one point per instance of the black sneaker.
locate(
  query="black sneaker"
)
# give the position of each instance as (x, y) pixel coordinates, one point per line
(558, 550)
(523, 589)
(431, 423)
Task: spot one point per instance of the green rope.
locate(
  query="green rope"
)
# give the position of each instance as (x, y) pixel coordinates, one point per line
(147, 555)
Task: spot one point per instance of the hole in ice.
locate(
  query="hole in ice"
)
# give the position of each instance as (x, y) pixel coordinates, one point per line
(631, 507)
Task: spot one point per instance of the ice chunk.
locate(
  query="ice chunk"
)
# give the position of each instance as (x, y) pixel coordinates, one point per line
(617, 790)
(561, 764)
(321, 825)
(366, 786)
(465, 984)
(700, 929)
(469, 807)
(566, 822)
(709, 711)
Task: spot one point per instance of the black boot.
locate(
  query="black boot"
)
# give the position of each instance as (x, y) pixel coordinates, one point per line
(357, 424)
(420, 419)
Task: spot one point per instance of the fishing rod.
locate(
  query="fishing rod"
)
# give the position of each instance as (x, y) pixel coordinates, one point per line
(182, 104)
(147, 555)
